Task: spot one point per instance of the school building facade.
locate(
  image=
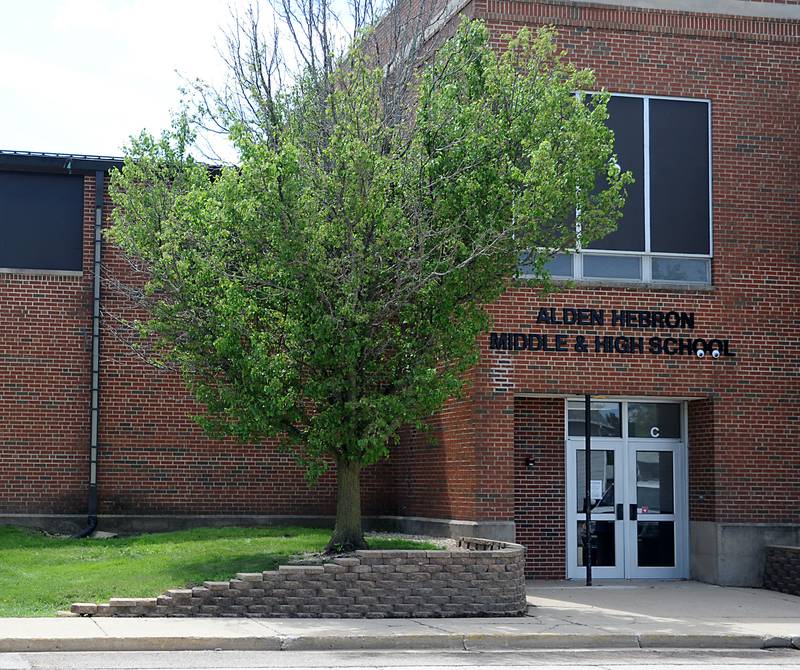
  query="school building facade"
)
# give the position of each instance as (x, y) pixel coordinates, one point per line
(682, 326)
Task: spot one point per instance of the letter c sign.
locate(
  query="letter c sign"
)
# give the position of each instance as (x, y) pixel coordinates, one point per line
(655, 431)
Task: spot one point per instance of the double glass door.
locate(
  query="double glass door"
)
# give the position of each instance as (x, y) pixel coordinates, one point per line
(637, 490)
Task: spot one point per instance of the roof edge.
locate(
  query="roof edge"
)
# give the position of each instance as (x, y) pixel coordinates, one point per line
(28, 161)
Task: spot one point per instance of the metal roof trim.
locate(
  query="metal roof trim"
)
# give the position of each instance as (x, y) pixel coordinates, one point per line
(56, 162)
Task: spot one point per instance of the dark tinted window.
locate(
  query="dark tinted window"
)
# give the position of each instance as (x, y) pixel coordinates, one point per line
(679, 218)
(654, 419)
(41, 221)
(605, 418)
(626, 119)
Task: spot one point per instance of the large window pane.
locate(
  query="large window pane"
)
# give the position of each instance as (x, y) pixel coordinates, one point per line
(654, 419)
(654, 482)
(601, 541)
(679, 188)
(606, 421)
(41, 221)
(626, 119)
(612, 267)
(656, 544)
(682, 269)
(601, 484)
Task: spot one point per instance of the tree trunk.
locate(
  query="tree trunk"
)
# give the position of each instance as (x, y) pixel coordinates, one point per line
(348, 535)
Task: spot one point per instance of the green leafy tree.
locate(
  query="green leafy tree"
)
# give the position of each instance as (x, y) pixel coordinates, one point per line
(329, 287)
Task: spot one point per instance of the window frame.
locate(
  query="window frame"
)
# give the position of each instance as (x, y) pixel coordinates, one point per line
(577, 254)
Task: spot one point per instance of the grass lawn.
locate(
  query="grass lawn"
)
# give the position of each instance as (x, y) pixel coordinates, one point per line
(40, 574)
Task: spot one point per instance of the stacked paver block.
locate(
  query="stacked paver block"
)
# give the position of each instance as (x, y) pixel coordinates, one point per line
(484, 578)
(782, 569)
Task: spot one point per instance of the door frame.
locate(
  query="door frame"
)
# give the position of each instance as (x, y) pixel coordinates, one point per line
(574, 444)
(625, 554)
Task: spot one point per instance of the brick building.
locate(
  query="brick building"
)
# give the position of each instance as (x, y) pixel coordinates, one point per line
(695, 460)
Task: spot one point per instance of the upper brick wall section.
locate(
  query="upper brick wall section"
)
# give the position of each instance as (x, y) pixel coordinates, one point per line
(657, 21)
(763, 8)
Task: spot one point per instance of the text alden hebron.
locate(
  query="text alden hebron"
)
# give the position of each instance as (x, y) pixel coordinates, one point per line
(609, 344)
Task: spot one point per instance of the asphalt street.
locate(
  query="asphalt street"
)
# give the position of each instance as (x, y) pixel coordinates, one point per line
(629, 659)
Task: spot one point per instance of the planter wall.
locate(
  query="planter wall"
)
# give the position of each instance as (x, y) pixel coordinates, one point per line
(483, 578)
(782, 569)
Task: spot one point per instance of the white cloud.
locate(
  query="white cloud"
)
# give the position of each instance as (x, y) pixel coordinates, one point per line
(81, 76)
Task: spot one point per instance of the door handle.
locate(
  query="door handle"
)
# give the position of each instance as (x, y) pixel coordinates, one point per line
(633, 511)
(620, 512)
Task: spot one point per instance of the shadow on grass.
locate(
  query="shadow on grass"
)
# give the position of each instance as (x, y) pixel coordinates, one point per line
(13, 537)
(207, 534)
(223, 568)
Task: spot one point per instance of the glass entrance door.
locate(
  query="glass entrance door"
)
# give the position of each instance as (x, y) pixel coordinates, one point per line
(651, 531)
(606, 544)
(637, 490)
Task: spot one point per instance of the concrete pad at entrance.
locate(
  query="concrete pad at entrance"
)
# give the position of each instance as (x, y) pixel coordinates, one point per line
(658, 598)
(684, 613)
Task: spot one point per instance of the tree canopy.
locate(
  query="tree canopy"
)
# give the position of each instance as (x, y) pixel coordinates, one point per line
(329, 287)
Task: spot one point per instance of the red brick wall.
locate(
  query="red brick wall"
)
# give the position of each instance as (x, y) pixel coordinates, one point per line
(539, 494)
(440, 462)
(45, 345)
(154, 459)
(702, 467)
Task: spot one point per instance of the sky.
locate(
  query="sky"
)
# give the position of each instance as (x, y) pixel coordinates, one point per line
(82, 76)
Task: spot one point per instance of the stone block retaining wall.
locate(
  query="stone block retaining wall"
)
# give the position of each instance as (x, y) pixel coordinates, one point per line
(483, 578)
(782, 569)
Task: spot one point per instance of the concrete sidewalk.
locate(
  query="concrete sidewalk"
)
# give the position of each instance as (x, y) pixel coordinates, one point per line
(610, 615)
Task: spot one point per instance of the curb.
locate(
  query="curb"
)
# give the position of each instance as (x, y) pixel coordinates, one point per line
(662, 640)
(443, 641)
(550, 641)
(17, 645)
